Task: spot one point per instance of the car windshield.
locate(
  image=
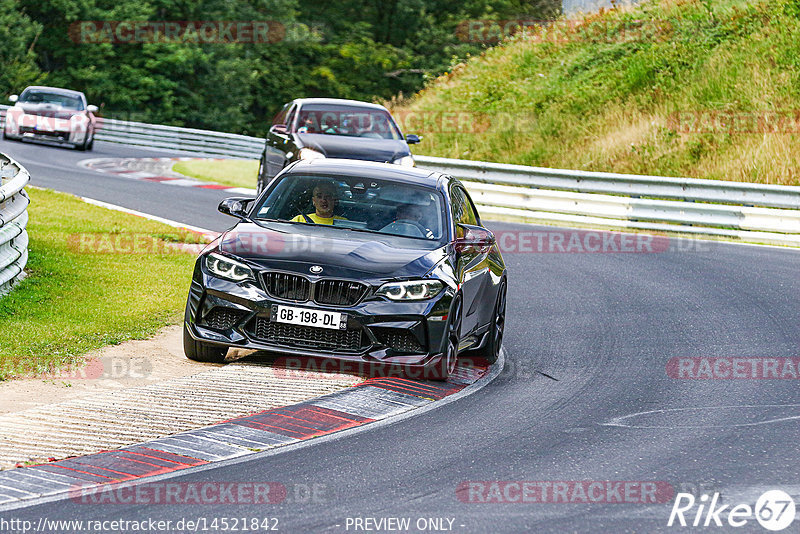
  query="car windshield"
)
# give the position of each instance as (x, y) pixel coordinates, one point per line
(351, 121)
(56, 99)
(356, 204)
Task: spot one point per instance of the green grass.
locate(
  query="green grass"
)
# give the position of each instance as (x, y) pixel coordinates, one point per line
(232, 172)
(605, 98)
(76, 299)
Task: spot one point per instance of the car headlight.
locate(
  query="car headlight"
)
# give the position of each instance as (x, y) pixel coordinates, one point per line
(410, 290)
(228, 268)
(407, 161)
(307, 153)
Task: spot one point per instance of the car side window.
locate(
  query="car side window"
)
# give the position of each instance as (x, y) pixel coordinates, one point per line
(463, 210)
(473, 212)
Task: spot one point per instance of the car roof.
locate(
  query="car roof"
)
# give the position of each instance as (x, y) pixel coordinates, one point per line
(68, 92)
(369, 169)
(339, 102)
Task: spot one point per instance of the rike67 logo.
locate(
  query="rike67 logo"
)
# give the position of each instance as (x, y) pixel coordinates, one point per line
(774, 510)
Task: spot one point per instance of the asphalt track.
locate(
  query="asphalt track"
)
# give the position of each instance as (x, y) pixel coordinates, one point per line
(57, 168)
(588, 339)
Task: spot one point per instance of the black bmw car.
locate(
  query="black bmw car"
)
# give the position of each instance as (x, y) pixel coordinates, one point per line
(368, 262)
(315, 128)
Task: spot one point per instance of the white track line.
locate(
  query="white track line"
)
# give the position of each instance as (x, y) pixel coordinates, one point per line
(174, 224)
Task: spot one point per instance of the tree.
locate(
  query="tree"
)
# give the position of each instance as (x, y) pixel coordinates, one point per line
(18, 35)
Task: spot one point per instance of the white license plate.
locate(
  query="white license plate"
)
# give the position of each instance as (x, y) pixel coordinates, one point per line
(306, 317)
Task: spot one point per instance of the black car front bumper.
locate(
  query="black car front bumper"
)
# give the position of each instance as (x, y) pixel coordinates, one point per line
(377, 330)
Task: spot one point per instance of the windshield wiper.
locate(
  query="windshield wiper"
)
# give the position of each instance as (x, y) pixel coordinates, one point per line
(259, 220)
(365, 230)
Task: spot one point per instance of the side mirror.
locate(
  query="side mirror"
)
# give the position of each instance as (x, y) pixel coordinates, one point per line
(92, 108)
(13, 98)
(413, 139)
(471, 238)
(235, 207)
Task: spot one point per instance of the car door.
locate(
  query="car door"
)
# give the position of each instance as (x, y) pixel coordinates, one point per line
(279, 142)
(472, 267)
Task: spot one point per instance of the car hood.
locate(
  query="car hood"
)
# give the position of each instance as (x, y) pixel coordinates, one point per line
(364, 148)
(349, 255)
(48, 110)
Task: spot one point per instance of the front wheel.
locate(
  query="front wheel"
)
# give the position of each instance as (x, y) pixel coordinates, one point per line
(447, 364)
(202, 352)
(87, 144)
(491, 349)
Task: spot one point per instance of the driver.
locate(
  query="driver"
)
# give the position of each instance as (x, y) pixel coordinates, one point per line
(309, 125)
(325, 199)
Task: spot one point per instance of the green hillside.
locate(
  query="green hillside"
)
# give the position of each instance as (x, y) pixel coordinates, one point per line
(683, 88)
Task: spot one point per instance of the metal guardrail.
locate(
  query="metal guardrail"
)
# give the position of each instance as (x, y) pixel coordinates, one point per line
(205, 142)
(13, 221)
(632, 185)
(752, 212)
(202, 142)
(756, 213)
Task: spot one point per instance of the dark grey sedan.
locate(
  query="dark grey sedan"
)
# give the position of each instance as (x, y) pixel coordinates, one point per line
(315, 128)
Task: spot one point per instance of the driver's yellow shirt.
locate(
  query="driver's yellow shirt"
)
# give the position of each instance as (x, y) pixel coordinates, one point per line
(317, 219)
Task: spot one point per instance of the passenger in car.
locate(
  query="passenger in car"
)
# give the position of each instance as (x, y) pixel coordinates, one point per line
(408, 212)
(408, 222)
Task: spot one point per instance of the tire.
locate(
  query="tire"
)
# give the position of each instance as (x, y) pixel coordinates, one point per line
(447, 364)
(202, 352)
(494, 342)
(87, 144)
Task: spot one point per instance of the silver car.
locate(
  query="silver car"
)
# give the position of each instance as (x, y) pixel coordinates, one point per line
(51, 114)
